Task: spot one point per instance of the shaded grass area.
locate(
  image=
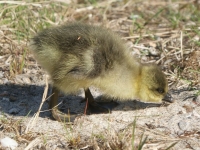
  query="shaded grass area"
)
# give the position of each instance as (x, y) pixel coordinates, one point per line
(166, 33)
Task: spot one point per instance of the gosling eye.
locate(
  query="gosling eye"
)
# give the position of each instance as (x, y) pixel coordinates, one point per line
(160, 90)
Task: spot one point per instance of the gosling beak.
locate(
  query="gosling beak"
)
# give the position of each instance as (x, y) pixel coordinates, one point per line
(168, 98)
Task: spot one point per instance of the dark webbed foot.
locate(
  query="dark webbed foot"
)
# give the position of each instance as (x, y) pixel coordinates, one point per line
(62, 117)
(98, 107)
(57, 114)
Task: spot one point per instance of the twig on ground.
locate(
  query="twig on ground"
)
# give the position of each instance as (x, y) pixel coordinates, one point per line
(34, 119)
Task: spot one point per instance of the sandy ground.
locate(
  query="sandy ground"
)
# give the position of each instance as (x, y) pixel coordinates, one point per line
(163, 124)
(150, 34)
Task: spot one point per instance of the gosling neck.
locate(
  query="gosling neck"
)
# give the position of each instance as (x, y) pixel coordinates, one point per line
(122, 83)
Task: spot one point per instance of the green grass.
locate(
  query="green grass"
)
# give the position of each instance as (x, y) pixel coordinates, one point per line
(21, 22)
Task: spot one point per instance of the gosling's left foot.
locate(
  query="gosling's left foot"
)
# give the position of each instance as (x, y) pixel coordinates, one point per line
(101, 107)
(98, 107)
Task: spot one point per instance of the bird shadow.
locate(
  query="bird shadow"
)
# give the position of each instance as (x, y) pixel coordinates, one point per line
(23, 100)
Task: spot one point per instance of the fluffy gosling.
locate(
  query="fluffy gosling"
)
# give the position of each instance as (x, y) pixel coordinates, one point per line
(78, 56)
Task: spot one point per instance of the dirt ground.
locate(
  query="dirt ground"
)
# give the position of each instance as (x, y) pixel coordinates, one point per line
(159, 125)
(163, 124)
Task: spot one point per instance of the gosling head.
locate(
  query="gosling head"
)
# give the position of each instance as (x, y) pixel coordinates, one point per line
(153, 86)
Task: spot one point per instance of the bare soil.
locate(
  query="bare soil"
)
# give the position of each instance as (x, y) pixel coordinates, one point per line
(163, 125)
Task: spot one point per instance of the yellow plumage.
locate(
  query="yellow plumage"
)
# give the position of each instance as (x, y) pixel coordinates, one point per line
(78, 56)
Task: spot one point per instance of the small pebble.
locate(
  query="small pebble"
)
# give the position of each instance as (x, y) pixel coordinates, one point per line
(22, 79)
(5, 80)
(8, 143)
(4, 93)
(153, 51)
(5, 99)
(13, 99)
(180, 132)
(183, 125)
(18, 79)
(26, 80)
(13, 111)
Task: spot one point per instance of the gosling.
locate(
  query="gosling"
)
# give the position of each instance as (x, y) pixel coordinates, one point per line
(78, 55)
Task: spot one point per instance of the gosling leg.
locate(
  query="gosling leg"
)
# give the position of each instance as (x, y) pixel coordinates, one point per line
(54, 98)
(57, 114)
(98, 107)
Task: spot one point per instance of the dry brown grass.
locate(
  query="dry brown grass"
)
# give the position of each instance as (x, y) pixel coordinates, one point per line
(166, 33)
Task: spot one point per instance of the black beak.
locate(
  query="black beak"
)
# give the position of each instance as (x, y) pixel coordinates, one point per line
(168, 98)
